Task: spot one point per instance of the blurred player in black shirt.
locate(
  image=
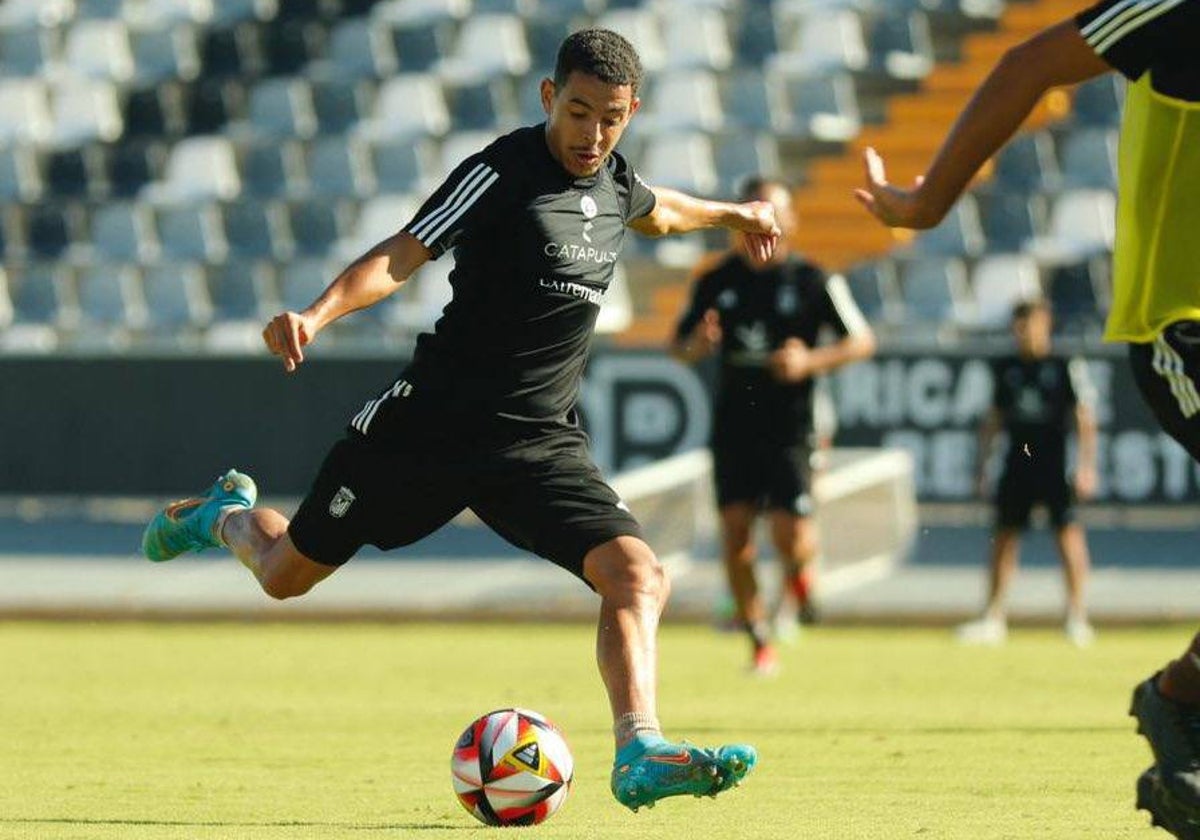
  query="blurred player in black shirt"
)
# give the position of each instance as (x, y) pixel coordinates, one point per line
(1038, 399)
(765, 321)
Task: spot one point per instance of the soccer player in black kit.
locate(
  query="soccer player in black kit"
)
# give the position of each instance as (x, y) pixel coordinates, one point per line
(484, 416)
(1156, 300)
(1038, 398)
(766, 320)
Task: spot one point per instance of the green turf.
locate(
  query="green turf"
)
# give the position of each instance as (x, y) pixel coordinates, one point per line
(345, 731)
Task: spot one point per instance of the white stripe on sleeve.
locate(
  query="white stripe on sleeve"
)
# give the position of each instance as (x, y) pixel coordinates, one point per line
(420, 228)
(1148, 12)
(843, 303)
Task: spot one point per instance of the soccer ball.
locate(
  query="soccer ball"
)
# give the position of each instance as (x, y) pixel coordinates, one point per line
(512, 767)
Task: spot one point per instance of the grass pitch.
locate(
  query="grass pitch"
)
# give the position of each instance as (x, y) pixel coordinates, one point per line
(264, 731)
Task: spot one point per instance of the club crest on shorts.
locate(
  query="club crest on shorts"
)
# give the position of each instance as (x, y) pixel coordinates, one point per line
(341, 502)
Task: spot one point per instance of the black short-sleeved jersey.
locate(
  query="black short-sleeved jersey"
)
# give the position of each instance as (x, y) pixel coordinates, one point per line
(1136, 36)
(534, 252)
(758, 311)
(1036, 399)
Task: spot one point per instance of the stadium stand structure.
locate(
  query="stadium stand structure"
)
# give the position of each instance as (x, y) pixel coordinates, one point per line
(245, 143)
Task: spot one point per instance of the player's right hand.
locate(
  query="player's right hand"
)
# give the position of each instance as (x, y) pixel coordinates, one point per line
(286, 336)
(893, 206)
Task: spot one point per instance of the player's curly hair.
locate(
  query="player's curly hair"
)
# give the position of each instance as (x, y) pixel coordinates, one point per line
(601, 53)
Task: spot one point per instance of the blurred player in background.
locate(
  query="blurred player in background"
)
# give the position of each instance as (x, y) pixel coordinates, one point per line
(484, 416)
(1037, 399)
(765, 320)
(1156, 297)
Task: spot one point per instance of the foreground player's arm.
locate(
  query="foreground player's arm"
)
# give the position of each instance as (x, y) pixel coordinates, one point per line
(1056, 56)
(988, 430)
(366, 281)
(676, 212)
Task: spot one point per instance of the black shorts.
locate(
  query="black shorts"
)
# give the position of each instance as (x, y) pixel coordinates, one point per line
(772, 477)
(1019, 492)
(543, 495)
(1167, 371)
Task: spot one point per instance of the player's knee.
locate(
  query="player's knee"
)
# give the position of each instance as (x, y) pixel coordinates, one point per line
(281, 584)
(630, 573)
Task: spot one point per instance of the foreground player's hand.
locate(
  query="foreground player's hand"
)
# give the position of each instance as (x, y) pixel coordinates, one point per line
(286, 336)
(792, 362)
(891, 205)
(760, 231)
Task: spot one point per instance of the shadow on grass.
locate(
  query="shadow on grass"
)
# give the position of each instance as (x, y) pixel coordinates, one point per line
(230, 824)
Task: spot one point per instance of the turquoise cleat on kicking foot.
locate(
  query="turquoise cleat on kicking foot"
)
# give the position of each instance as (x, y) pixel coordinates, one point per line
(668, 769)
(187, 525)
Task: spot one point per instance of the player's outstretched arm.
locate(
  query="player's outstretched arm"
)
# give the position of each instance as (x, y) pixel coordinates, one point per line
(676, 212)
(366, 281)
(1056, 56)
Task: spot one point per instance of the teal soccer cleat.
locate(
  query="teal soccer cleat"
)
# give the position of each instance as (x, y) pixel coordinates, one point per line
(187, 525)
(678, 769)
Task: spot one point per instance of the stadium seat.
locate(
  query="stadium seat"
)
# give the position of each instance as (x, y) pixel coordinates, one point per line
(696, 39)
(902, 45)
(1098, 102)
(1028, 164)
(959, 234)
(317, 224)
(361, 48)
(340, 103)
(177, 300)
(214, 102)
(1082, 223)
(543, 34)
(110, 303)
(289, 45)
(32, 51)
(486, 46)
(1080, 294)
(754, 37)
(828, 41)
(302, 281)
(935, 291)
(271, 168)
(825, 108)
(242, 291)
(407, 106)
(483, 104)
(339, 168)
(407, 12)
(84, 110)
(640, 26)
(20, 177)
(1089, 159)
(198, 168)
(43, 294)
(459, 146)
(52, 228)
(6, 307)
(403, 167)
(379, 217)
(78, 172)
(420, 46)
(24, 111)
(124, 231)
(754, 102)
(99, 49)
(1010, 220)
(133, 165)
(283, 107)
(999, 282)
(686, 100)
(739, 155)
(302, 10)
(165, 53)
(256, 229)
(157, 111)
(234, 51)
(26, 14)
(680, 161)
(166, 12)
(226, 12)
(191, 232)
(875, 286)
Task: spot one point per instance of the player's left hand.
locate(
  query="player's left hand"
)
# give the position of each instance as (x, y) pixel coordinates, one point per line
(760, 230)
(893, 206)
(1085, 483)
(792, 362)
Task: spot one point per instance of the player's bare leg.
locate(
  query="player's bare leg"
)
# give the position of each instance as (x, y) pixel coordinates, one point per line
(1076, 561)
(796, 540)
(259, 539)
(633, 589)
(738, 553)
(992, 627)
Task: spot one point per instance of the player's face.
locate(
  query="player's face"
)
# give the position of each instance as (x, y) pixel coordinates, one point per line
(1033, 333)
(585, 119)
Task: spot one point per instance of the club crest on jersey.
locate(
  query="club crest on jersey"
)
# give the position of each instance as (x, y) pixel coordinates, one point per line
(341, 502)
(587, 206)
